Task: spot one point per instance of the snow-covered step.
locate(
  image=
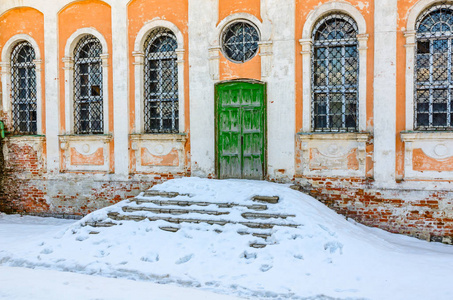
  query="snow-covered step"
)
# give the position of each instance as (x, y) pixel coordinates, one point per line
(261, 234)
(165, 194)
(266, 199)
(173, 211)
(131, 217)
(253, 215)
(142, 200)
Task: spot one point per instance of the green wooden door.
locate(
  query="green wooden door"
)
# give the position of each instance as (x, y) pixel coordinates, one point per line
(241, 130)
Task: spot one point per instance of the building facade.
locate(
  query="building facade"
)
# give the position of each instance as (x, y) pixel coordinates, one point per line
(351, 100)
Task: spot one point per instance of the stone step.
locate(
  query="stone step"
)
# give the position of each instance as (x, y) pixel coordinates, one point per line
(118, 217)
(174, 211)
(266, 199)
(100, 224)
(164, 194)
(252, 215)
(140, 200)
(169, 228)
(258, 245)
(263, 235)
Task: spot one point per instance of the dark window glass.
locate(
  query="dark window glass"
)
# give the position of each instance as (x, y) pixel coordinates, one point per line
(161, 114)
(23, 89)
(88, 95)
(240, 41)
(335, 69)
(433, 100)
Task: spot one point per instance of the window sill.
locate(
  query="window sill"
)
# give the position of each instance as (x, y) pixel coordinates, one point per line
(25, 138)
(356, 136)
(177, 137)
(411, 136)
(106, 138)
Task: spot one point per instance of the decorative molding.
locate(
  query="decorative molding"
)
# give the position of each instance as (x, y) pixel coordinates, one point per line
(214, 60)
(338, 149)
(266, 58)
(85, 147)
(437, 146)
(153, 150)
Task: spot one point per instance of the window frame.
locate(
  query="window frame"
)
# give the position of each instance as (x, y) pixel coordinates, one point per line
(69, 73)
(7, 100)
(29, 99)
(328, 89)
(89, 98)
(307, 47)
(410, 34)
(432, 86)
(139, 61)
(160, 96)
(224, 32)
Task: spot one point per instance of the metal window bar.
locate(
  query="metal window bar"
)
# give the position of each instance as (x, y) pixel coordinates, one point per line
(335, 72)
(23, 89)
(240, 41)
(161, 107)
(88, 89)
(433, 69)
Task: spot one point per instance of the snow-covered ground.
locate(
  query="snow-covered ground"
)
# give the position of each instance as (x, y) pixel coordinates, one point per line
(325, 257)
(35, 284)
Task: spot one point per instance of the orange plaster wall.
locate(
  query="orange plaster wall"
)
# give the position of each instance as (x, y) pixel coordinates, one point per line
(229, 7)
(422, 162)
(252, 68)
(95, 159)
(170, 159)
(26, 20)
(141, 12)
(82, 14)
(303, 8)
(403, 10)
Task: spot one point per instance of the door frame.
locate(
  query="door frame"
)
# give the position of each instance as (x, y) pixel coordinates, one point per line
(216, 112)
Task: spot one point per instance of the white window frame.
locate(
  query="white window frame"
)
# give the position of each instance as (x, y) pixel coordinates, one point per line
(139, 56)
(68, 68)
(306, 42)
(6, 76)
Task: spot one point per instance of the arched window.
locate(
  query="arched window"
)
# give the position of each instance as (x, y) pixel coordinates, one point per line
(335, 71)
(161, 107)
(23, 89)
(433, 75)
(88, 92)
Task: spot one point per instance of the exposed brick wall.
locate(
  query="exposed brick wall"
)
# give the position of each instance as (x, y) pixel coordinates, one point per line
(22, 166)
(420, 213)
(27, 188)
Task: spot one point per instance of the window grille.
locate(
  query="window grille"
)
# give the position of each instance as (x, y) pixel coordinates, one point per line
(240, 41)
(433, 75)
(161, 82)
(23, 89)
(88, 94)
(335, 70)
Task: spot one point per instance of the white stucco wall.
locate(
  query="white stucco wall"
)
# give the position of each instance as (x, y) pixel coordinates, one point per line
(385, 91)
(281, 87)
(202, 20)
